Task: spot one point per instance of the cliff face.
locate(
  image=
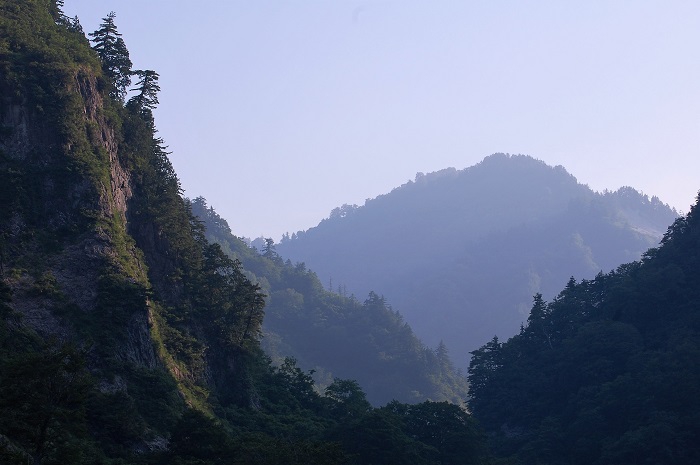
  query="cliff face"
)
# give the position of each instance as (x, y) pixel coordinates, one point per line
(113, 306)
(115, 197)
(125, 337)
(69, 213)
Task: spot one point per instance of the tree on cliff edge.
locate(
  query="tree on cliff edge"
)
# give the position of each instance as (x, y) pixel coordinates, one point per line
(147, 88)
(112, 50)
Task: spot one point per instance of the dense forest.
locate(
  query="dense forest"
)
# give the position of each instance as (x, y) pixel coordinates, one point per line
(460, 253)
(125, 336)
(337, 335)
(606, 372)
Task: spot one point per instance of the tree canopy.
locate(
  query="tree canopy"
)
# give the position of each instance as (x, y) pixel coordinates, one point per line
(147, 89)
(608, 371)
(111, 49)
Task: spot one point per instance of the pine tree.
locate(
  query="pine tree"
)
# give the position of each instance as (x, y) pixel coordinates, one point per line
(75, 26)
(112, 50)
(269, 251)
(147, 88)
(443, 357)
(56, 11)
(539, 320)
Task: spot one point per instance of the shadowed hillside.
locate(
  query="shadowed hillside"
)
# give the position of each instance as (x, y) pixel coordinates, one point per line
(336, 335)
(606, 372)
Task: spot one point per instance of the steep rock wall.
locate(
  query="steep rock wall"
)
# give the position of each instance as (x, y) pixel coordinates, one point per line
(80, 220)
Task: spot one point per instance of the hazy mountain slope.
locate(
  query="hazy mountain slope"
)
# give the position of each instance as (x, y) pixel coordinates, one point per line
(608, 371)
(460, 253)
(335, 335)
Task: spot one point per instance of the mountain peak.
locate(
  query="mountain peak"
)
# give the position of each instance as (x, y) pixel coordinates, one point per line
(440, 247)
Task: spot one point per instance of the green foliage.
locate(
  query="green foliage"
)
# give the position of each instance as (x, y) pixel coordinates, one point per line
(119, 298)
(290, 422)
(348, 400)
(111, 49)
(227, 297)
(147, 97)
(116, 421)
(155, 396)
(425, 433)
(197, 438)
(42, 403)
(608, 372)
(201, 440)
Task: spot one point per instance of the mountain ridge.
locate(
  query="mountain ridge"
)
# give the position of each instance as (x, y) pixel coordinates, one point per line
(430, 226)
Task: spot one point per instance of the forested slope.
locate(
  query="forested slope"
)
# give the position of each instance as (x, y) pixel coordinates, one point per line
(125, 336)
(336, 335)
(608, 371)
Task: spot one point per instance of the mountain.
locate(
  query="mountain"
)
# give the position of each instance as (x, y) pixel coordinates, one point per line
(126, 338)
(606, 372)
(461, 253)
(337, 335)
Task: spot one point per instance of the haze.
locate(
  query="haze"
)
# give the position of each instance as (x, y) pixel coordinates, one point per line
(278, 112)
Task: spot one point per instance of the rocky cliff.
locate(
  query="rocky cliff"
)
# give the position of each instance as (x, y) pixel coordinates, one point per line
(101, 261)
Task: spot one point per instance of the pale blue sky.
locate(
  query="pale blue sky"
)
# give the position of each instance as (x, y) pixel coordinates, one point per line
(279, 111)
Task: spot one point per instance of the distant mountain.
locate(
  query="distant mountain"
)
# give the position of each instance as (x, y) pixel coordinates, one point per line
(336, 335)
(460, 253)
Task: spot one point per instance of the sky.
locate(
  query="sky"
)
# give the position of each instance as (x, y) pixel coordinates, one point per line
(279, 111)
